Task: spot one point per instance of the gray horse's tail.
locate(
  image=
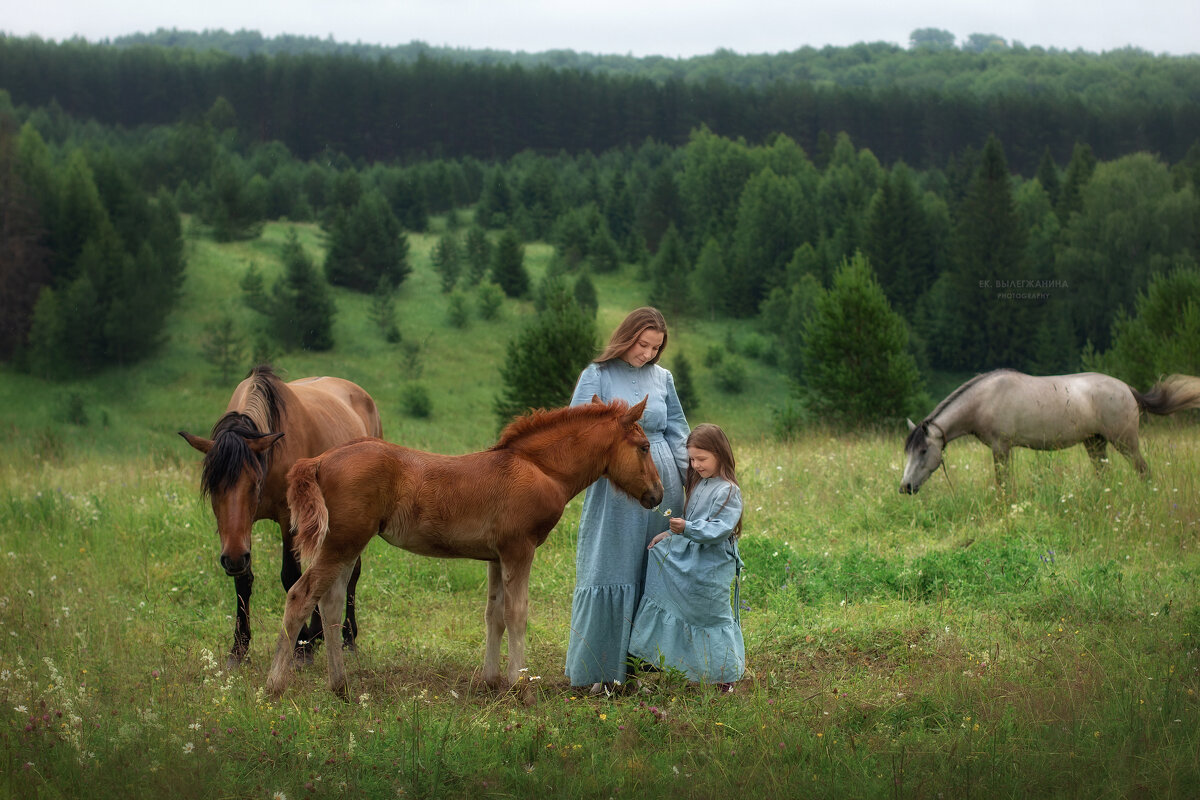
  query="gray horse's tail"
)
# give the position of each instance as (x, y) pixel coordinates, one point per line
(1171, 394)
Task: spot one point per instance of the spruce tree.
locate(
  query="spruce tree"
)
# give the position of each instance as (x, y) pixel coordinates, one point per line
(365, 245)
(669, 275)
(302, 309)
(545, 359)
(585, 294)
(685, 389)
(856, 365)
(478, 254)
(508, 265)
(447, 260)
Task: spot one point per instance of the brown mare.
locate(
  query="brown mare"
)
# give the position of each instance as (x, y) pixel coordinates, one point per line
(496, 506)
(266, 427)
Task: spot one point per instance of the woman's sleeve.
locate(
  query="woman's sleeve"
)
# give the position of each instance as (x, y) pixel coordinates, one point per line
(588, 386)
(677, 429)
(721, 520)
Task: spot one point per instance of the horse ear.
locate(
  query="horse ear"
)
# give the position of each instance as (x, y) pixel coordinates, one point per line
(911, 426)
(203, 445)
(635, 413)
(264, 443)
(596, 399)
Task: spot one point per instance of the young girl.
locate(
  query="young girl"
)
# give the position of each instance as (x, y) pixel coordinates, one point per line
(685, 620)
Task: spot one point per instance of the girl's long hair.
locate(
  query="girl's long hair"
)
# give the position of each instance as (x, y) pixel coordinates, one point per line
(627, 333)
(707, 436)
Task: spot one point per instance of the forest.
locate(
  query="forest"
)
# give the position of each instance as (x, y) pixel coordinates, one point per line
(984, 207)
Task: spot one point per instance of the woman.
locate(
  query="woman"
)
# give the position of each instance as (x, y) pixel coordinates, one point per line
(614, 530)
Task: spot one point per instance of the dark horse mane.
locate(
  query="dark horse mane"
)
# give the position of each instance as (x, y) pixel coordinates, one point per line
(538, 420)
(917, 435)
(263, 409)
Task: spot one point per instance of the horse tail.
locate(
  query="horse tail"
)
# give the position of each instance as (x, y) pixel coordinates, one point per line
(1171, 394)
(310, 516)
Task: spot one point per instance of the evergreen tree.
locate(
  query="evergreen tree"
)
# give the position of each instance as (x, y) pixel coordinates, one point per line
(302, 309)
(383, 312)
(769, 229)
(478, 254)
(508, 265)
(1160, 337)
(585, 294)
(496, 207)
(223, 348)
(987, 322)
(857, 368)
(896, 240)
(685, 389)
(24, 258)
(366, 244)
(546, 357)
(446, 260)
(1079, 172)
(1047, 175)
(710, 280)
(603, 254)
(661, 208)
(669, 276)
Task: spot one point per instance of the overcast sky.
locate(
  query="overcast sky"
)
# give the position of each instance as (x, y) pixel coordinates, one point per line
(676, 28)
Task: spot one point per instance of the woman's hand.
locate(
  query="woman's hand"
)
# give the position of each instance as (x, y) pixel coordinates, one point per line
(658, 539)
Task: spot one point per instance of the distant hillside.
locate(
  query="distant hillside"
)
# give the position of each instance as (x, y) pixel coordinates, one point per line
(982, 65)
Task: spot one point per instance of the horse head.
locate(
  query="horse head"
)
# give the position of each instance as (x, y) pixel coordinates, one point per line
(630, 467)
(923, 451)
(235, 468)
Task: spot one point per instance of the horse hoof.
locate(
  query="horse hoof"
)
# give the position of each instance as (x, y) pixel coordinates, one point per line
(342, 692)
(234, 660)
(349, 647)
(302, 657)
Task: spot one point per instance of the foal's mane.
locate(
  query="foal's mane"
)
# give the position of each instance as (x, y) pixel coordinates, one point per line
(540, 420)
(918, 433)
(263, 409)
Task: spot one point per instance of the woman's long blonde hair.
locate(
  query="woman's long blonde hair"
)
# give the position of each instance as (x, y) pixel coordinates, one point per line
(627, 333)
(707, 436)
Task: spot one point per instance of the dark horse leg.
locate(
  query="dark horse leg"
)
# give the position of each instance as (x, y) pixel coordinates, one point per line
(1096, 447)
(243, 585)
(350, 628)
(314, 630)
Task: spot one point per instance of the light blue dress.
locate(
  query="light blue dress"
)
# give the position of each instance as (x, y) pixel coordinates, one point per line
(614, 529)
(685, 620)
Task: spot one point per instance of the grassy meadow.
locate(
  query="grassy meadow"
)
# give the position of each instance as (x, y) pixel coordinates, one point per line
(962, 642)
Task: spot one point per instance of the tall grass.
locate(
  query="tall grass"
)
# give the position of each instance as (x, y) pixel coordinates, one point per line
(962, 642)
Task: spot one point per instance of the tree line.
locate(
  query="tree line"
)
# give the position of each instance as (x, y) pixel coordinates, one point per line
(918, 106)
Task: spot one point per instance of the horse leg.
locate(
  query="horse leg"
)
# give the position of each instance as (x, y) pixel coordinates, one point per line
(1096, 447)
(1001, 464)
(515, 570)
(289, 573)
(301, 599)
(242, 584)
(1129, 449)
(331, 607)
(350, 628)
(493, 621)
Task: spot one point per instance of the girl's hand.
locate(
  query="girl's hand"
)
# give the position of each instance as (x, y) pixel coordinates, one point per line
(677, 524)
(658, 539)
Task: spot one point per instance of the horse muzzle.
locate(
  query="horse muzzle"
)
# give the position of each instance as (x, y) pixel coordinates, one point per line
(908, 488)
(651, 498)
(236, 567)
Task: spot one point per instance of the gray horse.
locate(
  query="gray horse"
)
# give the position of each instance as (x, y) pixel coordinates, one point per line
(1006, 409)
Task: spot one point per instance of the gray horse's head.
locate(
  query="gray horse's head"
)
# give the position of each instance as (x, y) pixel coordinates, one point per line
(923, 452)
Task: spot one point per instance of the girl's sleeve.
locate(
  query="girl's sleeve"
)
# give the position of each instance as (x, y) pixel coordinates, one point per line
(588, 386)
(677, 429)
(720, 521)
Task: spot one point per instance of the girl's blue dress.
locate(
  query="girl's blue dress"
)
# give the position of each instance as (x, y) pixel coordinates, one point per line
(614, 529)
(685, 620)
